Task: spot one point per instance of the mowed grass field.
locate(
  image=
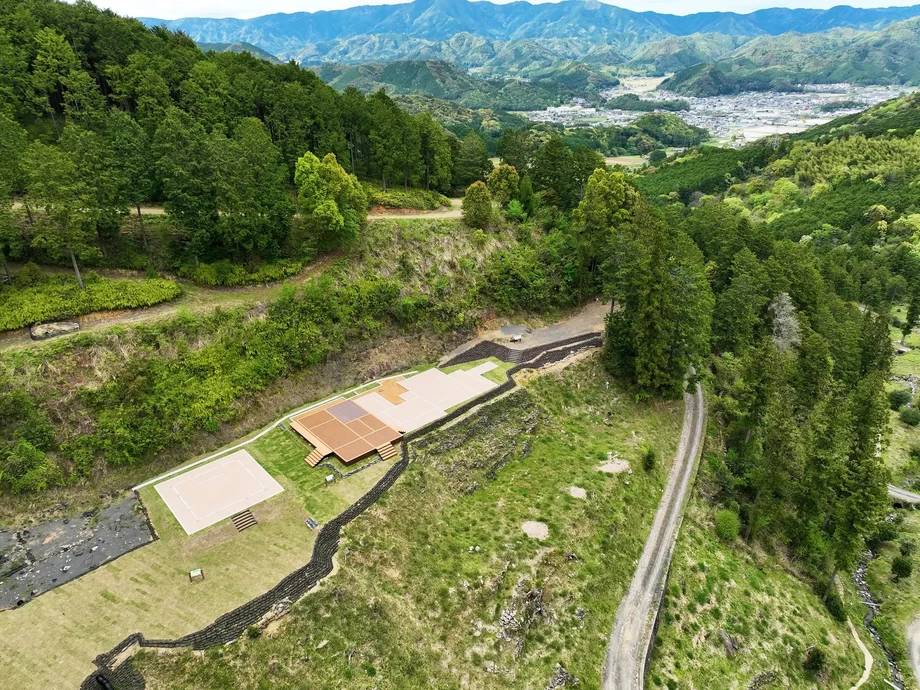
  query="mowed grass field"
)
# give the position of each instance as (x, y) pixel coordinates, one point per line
(51, 641)
(498, 375)
(428, 575)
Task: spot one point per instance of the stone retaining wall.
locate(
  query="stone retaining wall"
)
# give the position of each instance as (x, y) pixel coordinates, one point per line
(232, 625)
(486, 349)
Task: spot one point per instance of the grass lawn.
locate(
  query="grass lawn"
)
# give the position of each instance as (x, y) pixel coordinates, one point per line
(429, 570)
(51, 641)
(148, 590)
(498, 375)
(282, 453)
(626, 161)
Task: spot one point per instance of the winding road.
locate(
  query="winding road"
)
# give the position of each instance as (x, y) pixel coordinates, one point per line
(633, 628)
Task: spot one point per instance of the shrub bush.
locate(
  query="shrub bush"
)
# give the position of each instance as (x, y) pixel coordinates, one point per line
(885, 532)
(814, 660)
(908, 548)
(228, 274)
(835, 607)
(728, 525)
(253, 632)
(914, 452)
(533, 276)
(649, 458)
(898, 398)
(29, 275)
(401, 198)
(477, 206)
(901, 567)
(909, 416)
(58, 296)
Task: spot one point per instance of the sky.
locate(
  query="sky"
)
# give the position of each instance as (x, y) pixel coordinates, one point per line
(244, 9)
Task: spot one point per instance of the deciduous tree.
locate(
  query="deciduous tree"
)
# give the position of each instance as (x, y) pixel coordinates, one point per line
(477, 206)
(55, 186)
(331, 199)
(503, 184)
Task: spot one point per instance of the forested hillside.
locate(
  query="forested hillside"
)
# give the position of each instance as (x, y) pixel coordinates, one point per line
(714, 259)
(829, 220)
(440, 79)
(282, 34)
(102, 116)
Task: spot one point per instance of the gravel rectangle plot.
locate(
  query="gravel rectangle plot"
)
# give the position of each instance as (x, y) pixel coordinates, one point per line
(215, 491)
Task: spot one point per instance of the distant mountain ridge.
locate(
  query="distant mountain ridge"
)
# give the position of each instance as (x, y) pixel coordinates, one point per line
(289, 35)
(891, 55)
(242, 47)
(444, 80)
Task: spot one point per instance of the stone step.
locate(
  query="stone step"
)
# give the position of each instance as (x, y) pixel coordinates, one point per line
(387, 452)
(243, 520)
(313, 459)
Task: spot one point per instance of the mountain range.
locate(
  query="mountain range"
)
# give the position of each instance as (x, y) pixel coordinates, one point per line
(587, 38)
(284, 35)
(444, 80)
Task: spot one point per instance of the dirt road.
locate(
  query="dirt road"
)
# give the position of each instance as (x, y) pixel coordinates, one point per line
(902, 495)
(196, 299)
(452, 212)
(630, 639)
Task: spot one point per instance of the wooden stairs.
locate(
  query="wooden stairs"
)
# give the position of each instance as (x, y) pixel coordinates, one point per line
(387, 452)
(243, 520)
(314, 457)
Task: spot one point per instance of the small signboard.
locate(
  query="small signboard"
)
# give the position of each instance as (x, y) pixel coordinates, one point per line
(196, 575)
(311, 523)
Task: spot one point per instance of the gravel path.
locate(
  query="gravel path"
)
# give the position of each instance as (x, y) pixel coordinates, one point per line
(633, 628)
(913, 647)
(197, 299)
(867, 658)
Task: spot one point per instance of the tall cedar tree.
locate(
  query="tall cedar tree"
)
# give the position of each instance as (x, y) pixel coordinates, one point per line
(660, 321)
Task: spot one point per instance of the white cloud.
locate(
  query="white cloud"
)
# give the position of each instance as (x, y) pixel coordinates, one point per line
(244, 9)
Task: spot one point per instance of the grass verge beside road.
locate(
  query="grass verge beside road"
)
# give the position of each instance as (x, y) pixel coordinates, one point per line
(756, 598)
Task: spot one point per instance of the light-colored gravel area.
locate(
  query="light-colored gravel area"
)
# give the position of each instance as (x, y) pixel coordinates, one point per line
(535, 530)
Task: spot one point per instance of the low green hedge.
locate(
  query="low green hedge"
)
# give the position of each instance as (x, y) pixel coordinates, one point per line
(227, 274)
(398, 197)
(59, 297)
